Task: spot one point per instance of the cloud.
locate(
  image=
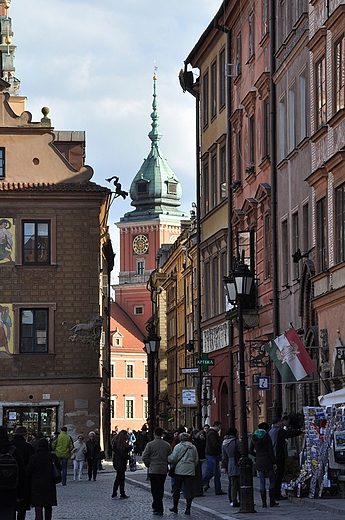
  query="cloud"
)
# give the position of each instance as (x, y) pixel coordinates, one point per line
(92, 64)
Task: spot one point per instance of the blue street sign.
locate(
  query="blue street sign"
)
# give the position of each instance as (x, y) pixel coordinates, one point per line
(264, 383)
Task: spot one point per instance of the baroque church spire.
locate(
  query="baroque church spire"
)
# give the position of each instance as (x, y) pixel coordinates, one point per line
(155, 190)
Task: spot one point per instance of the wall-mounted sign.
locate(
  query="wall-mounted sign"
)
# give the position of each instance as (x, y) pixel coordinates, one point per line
(188, 397)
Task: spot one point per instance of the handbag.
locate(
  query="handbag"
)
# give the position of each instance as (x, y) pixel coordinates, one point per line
(171, 472)
(56, 473)
(101, 455)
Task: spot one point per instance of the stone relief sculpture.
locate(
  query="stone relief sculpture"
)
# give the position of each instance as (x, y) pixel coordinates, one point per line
(87, 332)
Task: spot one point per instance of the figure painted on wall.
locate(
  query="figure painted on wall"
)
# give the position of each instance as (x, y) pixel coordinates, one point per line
(5, 329)
(6, 240)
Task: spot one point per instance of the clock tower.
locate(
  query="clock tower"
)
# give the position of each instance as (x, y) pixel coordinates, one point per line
(156, 195)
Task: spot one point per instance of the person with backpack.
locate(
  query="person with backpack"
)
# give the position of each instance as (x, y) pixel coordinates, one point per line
(26, 450)
(12, 477)
(231, 453)
(39, 472)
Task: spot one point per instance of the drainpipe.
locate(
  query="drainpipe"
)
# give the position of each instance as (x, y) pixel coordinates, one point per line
(273, 135)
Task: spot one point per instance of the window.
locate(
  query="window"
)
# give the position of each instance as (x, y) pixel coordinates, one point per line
(267, 231)
(214, 180)
(33, 331)
(146, 408)
(172, 188)
(112, 408)
(2, 162)
(264, 17)
(239, 156)
(339, 84)
(112, 370)
(222, 95)
(251, 35)
(320, 91)
(140, 267)
(206, 188)
(266, 128)
(36, 243)
(292, 118)
(146, 372)
(207, 289)
(223, 271)
(321, 234)
(129, 409)
(138, 310)
(282, 116)
(223, 191)
(142, 188)
(306, 226)
(295, 243)
(129, 370)
(303, 104)
(252, 140)
(215, 286)
(340, 223)
(213, 89)
(239, 53)
(285, 253)
(205, 99)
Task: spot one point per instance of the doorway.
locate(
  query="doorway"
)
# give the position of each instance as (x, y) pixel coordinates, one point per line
(34, 418)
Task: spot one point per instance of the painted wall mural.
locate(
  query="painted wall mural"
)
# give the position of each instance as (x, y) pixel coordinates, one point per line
(7, 240)
(6, 330)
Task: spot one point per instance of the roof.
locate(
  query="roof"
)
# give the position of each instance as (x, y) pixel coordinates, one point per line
(132, 336)
(52, 187)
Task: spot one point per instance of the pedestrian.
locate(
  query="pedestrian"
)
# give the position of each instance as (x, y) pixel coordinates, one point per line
(26, 450)
(15, 492)
(213, 456)
(185, 459)
(231, 453)
(99, 463)
(92, 455)
(155, 458)
(62, 447)
(265, 462)
(39, 471)
(121, 449)
(279, 434)
(199, 441)
(35, 438)
(78, 456)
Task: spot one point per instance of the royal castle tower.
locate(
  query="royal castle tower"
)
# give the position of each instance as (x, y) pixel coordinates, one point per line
(156, 195)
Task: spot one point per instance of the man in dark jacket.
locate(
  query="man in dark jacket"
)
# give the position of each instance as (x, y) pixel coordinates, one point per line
(155, 457)
(213, 456)
(10, 497)
(26, 450)
(279, 434)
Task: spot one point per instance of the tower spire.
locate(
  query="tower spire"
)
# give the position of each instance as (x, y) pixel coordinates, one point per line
(155, 134)
(7, 50)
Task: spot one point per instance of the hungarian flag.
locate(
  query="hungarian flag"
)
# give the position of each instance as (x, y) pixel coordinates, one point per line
(290, 357)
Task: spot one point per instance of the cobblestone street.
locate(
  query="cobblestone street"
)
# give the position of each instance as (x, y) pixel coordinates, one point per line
(92, 501)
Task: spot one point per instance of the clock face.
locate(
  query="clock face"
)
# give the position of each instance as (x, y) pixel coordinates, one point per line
(140, 244)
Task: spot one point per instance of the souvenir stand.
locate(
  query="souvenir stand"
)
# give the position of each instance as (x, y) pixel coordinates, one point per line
(324, 437)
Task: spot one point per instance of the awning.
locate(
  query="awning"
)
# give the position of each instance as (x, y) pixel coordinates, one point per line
(337, 397)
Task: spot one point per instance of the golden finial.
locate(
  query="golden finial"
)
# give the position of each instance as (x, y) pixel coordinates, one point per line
(155, 70)
(7, 4)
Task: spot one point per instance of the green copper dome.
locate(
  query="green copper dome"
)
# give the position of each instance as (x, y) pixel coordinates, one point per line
(155, 190)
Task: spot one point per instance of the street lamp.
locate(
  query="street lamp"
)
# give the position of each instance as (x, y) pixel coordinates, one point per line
(151, 347)
(238, 287)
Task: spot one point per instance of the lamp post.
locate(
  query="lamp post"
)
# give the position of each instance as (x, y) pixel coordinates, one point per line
(238, 286)
(151, 347)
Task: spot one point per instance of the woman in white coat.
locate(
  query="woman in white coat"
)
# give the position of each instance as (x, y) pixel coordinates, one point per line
(78, 456)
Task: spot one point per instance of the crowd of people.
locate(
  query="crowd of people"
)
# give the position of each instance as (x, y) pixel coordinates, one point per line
(194, 457)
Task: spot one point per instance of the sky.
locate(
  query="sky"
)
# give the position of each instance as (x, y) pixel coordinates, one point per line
(92, 64)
